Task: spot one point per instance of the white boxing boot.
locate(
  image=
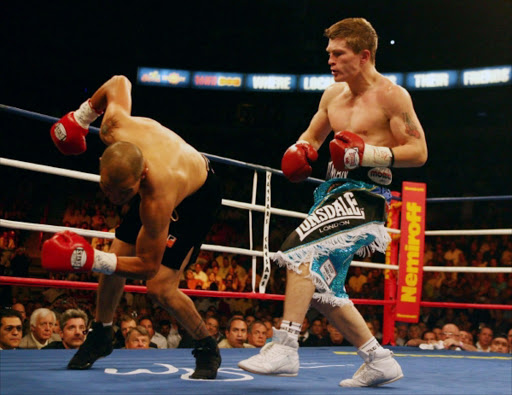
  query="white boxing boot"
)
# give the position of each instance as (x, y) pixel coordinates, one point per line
(280, 357)
(379, 368)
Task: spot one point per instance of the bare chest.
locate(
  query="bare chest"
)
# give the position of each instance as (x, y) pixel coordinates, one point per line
(363, 115)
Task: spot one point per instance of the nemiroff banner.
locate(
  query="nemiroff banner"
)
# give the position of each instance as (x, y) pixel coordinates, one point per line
(412, 241)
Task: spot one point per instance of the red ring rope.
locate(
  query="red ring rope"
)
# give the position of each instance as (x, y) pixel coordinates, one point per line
(37, 282)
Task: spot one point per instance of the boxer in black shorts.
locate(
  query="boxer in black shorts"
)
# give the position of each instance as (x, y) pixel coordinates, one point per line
(174, 196)
(190, 223)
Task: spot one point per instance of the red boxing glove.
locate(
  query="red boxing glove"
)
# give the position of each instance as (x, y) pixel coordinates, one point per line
(69, 133)
(68, 136)
(69, 252)
(295, 162)
(347, 151)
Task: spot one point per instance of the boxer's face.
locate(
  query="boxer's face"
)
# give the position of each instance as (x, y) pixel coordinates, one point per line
(121, 192)
(344, 63)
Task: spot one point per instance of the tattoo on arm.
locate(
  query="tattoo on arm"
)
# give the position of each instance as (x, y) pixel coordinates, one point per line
(107, 126)
(410, 127)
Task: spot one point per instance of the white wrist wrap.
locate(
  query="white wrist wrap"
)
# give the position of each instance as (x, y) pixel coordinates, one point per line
(377, 156)
(86, 115)
(104, 262)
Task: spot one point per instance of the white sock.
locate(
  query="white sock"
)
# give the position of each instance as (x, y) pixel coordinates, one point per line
(370, 346)
(293, 328)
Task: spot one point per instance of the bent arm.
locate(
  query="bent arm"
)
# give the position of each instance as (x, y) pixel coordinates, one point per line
(319, 127)
(116, 92)
(411, 150)
(150, 246)
(149, 254)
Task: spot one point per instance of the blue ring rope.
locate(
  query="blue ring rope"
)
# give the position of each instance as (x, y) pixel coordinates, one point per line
(220, 159)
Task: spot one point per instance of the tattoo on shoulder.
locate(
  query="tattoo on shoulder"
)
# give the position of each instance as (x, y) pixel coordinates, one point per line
(410, 128)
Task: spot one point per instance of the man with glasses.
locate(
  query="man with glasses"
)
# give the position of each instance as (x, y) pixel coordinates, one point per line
(10, 329)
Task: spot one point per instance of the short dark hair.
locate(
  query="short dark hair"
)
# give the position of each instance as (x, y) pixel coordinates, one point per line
(9, 313)
(233, 319)
(253, 324)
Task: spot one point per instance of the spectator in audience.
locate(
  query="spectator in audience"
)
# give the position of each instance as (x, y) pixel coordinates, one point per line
(413, 332)
(224, 267)
(238, 271)
(268, 325)
(246, 285)
(84, 218)
(401, 338)
(212, 324)
(437, 330)
(249, 319)
(73, 329)
(304, 332)
(236, 334)
(257, 334)
(450, 337)
(506, 255)
(315, 334)
(98, 220)
(334, 338)
(428, 337)
(467, 339)
(56, 326)
(112, 219)
(485, 336)
(69, 215)
(201, 276)
(376, 328)
(164, 327)
(357, 280)
(137, 338)
(500, 344)
(191, 281)
(42, 321)
(450, 340)
(454, 254)
(509, 337)
(369, 324)
(156, 338)
(126, 322)
(11, 329)
(174, 337)
(21, 309)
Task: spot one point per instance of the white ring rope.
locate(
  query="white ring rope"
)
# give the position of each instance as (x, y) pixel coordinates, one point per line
(240, 205)
(50, 170)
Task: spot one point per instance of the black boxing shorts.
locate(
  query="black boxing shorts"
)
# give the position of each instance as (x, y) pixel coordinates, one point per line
(192, 221)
